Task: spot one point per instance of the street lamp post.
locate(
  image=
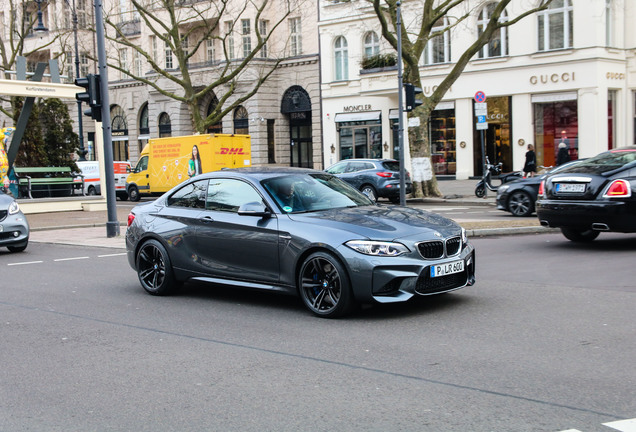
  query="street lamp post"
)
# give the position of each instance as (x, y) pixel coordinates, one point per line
(40, 27)
(81, 151)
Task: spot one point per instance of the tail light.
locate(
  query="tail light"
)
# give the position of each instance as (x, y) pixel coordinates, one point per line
(542, 188)
(131, 218)
(618, 189)
(385, 174)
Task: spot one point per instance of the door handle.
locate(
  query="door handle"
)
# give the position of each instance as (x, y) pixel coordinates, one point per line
(207, 219)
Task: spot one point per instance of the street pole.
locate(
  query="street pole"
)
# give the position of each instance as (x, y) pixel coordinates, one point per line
(112, 226)
(81, 151)
(401, 106)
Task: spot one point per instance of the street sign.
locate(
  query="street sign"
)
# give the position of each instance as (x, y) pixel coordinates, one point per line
(481, 119)
(480, 96)
(482, 126)
(481, 112)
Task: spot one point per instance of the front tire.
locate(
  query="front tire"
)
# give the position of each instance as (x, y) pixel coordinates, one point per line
(324, 286)
(154, 269)
(370, 192)
(579, 236)
(133, 193)
(91, 191)
(480, 191)
(520, 204)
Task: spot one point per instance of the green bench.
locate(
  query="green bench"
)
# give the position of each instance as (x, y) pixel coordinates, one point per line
(48, 179)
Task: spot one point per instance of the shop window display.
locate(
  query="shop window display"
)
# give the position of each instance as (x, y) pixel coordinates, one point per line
(443, 142)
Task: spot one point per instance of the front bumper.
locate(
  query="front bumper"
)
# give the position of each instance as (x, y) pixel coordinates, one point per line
(618, 216)
(14, 230)
(397, 279)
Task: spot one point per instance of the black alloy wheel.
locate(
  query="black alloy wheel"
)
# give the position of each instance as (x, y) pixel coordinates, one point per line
(133, 193)
(520, 203)
(370, 192)
(579, 236)
(324, 286)
(154, 269)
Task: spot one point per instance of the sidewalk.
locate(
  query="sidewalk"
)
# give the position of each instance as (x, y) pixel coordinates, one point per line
(88, 228)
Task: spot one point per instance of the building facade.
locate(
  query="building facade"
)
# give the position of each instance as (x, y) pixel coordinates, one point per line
(282, 117)
(566, 74)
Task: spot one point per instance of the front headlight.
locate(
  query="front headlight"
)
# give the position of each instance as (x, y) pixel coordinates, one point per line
(464, 237)
(501, 189)
(377, 248)
(14, 208)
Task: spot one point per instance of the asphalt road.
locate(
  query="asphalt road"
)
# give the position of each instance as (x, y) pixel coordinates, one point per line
(543, 342)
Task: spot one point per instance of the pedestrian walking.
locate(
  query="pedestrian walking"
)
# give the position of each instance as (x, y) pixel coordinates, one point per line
(530, 167)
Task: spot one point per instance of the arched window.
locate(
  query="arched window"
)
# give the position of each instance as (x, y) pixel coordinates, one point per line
(241, 123)
(143, 121)
(119, 131)
(341, 57)
(371, 44)
(438, 48)
(165, 127)
(556, 26)
(218, 126)
(497, 46)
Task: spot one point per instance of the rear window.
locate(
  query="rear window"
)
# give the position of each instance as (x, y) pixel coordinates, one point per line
(391, 166)
(603, 162)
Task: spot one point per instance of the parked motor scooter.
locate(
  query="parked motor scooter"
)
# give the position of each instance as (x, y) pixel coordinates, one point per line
(490, 170)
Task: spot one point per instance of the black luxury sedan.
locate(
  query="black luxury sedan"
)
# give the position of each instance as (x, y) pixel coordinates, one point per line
(376, 178)
(296, 231)
(598, 194)
(518, 196)
(14, 228)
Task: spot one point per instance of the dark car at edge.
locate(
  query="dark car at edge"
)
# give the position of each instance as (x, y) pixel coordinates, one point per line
(519, 196)
(596, 195)
(296, 231)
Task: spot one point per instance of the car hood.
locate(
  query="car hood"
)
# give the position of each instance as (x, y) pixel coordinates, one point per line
(382, 222)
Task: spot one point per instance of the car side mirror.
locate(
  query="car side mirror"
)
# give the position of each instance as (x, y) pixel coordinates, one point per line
(254, 209)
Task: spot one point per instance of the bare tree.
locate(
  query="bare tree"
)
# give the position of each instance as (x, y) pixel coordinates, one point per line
(183, 29)
(414, 42)
(18, 39)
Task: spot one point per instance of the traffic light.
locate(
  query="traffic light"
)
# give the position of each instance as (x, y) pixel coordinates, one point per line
(410, 93)
(92, 96)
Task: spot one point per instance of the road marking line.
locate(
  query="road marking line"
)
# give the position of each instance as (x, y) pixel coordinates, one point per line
(71, 259)
(623, 425)
(26, 262)
(111, 255)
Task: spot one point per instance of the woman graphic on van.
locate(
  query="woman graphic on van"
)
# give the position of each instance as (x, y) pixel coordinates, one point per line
(194, 167)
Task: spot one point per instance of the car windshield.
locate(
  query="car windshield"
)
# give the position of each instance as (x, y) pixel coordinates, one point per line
(312, 192)
(603, 162)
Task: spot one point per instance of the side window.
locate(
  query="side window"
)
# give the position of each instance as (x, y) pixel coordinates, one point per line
(337, 168)
(229, 194)
(355, 166)
(142, 165)
(191, 195)
(368, 165)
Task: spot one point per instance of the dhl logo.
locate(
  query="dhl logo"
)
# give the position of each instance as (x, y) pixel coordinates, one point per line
(238, 151)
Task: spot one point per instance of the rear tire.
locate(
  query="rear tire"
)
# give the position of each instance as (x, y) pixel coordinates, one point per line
(91, 191)
(370, 192)
(133, 193)
(579, 236)
(154, 269)
(324, 286)
(520, 204)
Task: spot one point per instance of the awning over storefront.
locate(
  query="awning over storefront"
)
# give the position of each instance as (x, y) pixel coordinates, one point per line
(554, 97)
(358, 116)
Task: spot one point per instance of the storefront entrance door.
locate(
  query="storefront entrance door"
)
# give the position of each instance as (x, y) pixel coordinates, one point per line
(301, 150)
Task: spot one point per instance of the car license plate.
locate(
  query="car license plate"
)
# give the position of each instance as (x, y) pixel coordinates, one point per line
(570, 187)
(447, 268)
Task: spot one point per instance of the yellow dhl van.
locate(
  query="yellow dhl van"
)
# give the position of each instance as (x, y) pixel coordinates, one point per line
(166, 162)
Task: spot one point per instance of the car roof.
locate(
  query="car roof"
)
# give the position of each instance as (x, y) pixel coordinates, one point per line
(261, 172)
